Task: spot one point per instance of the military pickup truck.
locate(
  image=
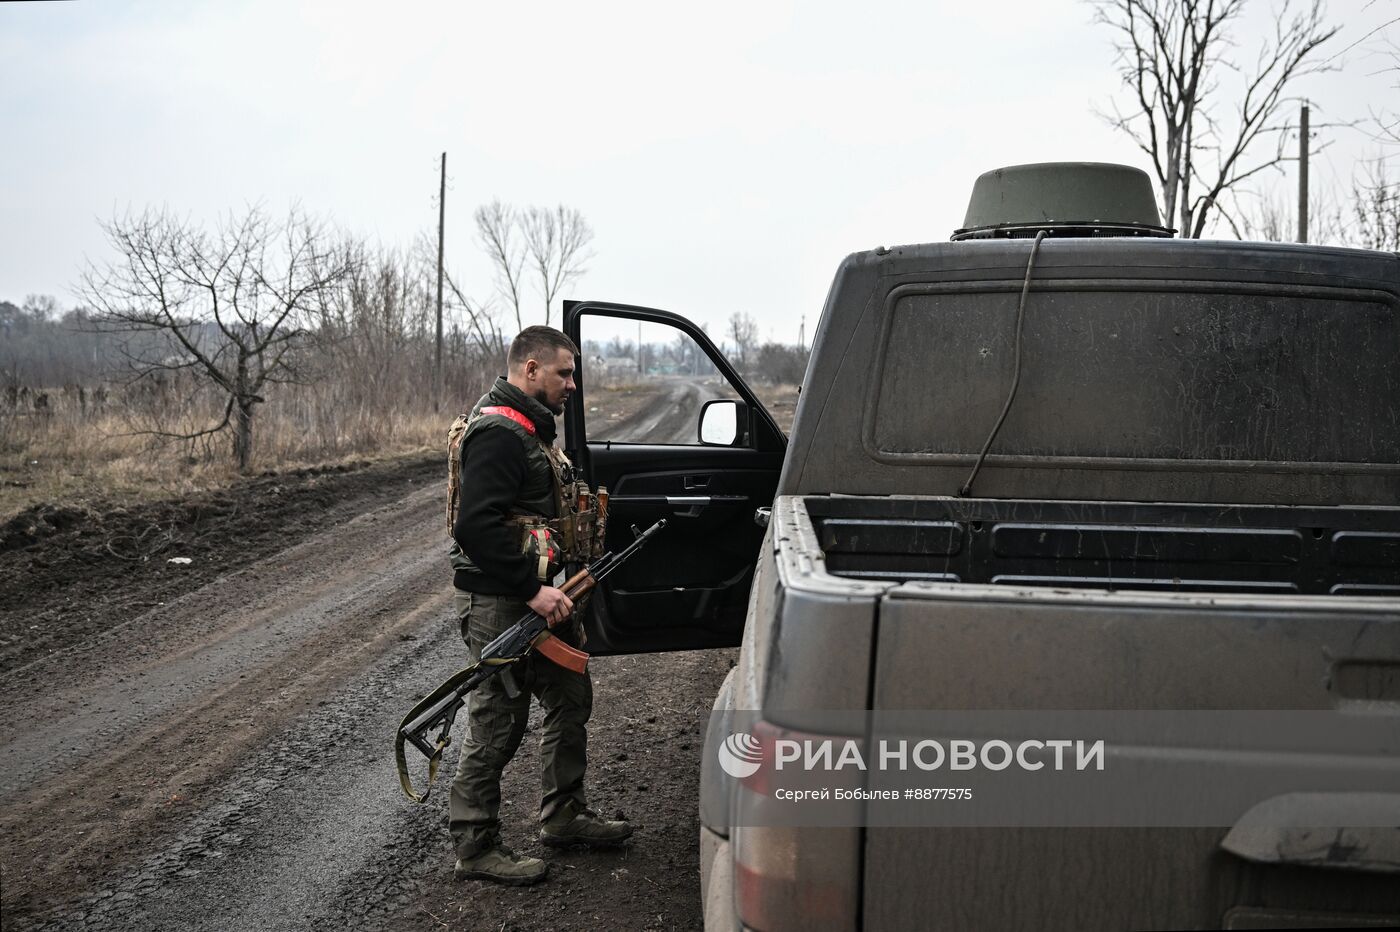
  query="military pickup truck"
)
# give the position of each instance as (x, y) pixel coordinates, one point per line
(1095, 469)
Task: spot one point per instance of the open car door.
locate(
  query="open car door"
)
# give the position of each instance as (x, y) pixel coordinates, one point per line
(645, 379)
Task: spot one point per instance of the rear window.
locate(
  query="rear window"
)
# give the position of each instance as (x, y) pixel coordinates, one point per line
(1188, 373)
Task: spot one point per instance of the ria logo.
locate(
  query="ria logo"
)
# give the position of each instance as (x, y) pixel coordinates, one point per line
(740, 755)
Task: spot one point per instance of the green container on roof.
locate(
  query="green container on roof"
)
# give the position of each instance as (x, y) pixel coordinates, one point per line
(1064, 199)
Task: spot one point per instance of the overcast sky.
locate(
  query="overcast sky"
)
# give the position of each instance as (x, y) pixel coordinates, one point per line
(727, 155)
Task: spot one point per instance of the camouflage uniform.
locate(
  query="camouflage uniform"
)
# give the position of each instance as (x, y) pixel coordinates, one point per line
(496, 724)
(496, 721)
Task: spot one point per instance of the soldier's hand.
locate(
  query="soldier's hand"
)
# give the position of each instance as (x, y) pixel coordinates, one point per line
(551, 604)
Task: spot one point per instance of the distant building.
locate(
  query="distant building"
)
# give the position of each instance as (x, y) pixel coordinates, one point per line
(615, 365)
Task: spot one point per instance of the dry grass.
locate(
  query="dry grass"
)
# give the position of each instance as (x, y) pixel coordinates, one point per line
(68, 456)
(75, 457)
(781, 402)
(56, 465)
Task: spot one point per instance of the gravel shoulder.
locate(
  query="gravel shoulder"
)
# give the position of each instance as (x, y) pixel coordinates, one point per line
(207, 745)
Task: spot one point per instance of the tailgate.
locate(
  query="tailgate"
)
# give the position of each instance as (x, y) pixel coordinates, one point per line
(960, 647)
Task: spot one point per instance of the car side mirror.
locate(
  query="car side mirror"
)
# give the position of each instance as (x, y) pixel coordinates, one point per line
(723, 422)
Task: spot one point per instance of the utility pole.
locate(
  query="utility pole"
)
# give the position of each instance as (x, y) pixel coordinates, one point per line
(442, 217)
(802, 335)
(1303, 176)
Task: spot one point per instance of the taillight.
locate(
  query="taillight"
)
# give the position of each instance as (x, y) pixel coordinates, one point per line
(806, 877)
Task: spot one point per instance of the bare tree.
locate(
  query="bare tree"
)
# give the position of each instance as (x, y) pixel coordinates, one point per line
(551, 242)
(485, 341)
(556, 240)
(1375, 198)
(232, 307)
(1273, 218)
(1376, 209)
(42, 307)
(495, 227)
(743, 330)
(781, 363)
(381, 317)
(1172, 56)
(43, 346)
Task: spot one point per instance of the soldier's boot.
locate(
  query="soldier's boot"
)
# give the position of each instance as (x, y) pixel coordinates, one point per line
(499, 864)
(575, 825)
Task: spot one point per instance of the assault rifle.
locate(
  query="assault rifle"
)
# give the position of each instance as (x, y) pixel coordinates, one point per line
(439, 708)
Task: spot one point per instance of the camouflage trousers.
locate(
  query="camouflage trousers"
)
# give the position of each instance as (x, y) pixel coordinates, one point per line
(496, 725)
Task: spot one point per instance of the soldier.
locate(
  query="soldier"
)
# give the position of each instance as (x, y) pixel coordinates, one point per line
(515, 525)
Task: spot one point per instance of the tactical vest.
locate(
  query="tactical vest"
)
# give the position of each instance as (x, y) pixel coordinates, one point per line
(556, 515)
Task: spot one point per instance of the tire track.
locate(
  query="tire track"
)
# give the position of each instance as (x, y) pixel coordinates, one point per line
(224, 762)
(180, 695)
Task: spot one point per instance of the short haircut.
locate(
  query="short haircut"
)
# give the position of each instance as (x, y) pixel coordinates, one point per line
(539, 343)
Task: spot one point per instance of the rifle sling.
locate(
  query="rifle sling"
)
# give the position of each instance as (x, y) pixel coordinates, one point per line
(578, 586)
(551, 647)
(448, 687)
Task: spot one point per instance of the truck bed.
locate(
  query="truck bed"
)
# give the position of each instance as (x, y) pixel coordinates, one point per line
(1212, 607)
(1112, 545)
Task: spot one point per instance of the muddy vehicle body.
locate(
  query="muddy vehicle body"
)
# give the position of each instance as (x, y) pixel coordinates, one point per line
(1191, 504)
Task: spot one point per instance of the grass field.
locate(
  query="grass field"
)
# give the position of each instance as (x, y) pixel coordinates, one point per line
(70, 456)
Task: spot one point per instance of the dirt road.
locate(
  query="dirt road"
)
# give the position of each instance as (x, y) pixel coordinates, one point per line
(670, 413)
(223, 760)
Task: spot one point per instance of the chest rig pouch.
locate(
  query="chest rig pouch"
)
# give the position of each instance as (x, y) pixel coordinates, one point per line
(572, 538)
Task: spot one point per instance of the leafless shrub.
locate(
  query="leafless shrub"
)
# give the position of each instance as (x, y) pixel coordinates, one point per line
(1376, 209)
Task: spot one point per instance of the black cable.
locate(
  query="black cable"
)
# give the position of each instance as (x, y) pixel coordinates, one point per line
(966, 489)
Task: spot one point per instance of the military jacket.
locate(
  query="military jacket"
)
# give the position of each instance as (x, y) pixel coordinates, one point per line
(547, 472)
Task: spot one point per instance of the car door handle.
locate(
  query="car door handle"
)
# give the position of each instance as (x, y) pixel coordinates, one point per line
(684, 506)
(688, 506)
(681, 501)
